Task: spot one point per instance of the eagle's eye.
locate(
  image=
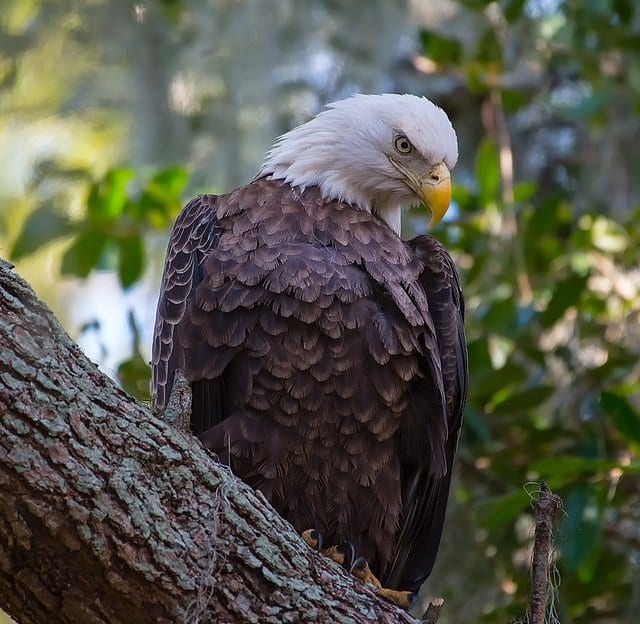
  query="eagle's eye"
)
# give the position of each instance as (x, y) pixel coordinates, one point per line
(403, 145)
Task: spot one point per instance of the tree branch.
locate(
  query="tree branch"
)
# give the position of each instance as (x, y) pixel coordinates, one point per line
(109, 514)
(432, 613)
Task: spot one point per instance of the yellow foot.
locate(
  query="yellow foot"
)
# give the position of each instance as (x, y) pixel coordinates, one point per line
(360, 569)
(364, 573)
(404, 599)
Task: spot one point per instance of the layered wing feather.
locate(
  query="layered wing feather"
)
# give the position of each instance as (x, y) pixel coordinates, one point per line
(424, 494)
(194, 234)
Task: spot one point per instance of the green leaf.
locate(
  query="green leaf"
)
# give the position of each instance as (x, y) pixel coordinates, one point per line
(130, 260)
(513, 9)
(160, 201)
(8, 74)
(42, 226)
(524, 191)
(624, 10)
(567, 293)
(623, 416)
(504, 510)
(84, 254)
(108, 197)
(487, 170)
(479, 357)
(548, 226)
(475, 425)
(464, 197)
(582, 527)
(571, 466)
(501, 316)
(476, 5)
(490, 50)
(514, 99)
(492, 386)
(521, 401)
(439, 48)
(171, 181)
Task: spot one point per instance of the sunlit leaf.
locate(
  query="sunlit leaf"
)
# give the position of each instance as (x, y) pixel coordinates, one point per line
(108, 196)
(161, 201)
(171, 181)
(608, 235)
(524, 191)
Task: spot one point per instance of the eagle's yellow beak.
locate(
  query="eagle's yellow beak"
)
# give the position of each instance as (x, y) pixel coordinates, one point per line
(434, 191)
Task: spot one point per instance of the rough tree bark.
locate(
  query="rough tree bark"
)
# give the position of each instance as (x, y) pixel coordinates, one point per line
(109, 515)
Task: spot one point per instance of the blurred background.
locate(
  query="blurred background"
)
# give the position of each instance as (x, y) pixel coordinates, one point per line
(113, 113)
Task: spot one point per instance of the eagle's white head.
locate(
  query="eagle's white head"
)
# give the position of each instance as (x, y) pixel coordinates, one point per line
(378, 152)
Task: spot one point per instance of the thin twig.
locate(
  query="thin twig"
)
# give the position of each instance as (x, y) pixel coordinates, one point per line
(546, 509)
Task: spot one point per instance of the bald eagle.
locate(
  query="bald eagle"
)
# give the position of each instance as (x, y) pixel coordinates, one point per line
(327, 356)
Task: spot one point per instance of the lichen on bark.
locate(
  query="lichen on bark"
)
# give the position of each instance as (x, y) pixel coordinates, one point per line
(108, 514)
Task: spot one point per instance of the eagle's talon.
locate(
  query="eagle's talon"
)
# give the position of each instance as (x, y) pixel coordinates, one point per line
(340, 553)
(364, 574)
(360, 563)
(348, 552)
(313, 538)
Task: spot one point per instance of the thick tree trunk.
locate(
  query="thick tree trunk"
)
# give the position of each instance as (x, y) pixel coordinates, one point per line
(108, 514)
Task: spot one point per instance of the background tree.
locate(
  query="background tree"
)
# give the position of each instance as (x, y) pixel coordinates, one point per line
(100, 100)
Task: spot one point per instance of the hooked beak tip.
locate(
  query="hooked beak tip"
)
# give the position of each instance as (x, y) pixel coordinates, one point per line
(435, 192)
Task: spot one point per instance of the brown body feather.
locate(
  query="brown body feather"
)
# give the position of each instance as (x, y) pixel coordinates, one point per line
(327, 363)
